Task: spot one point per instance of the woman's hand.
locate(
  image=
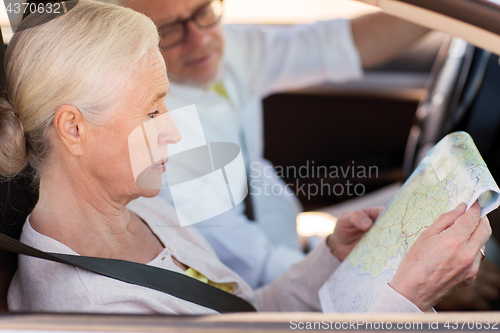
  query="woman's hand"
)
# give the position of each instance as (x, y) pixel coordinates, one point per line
(444, 258)
(350, 227)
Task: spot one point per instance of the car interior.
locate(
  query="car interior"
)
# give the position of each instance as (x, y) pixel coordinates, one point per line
(389, 119)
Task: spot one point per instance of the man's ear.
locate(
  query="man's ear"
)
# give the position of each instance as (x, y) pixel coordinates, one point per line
(70, 128)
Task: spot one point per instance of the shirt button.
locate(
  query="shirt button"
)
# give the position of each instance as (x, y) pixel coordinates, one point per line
(163, 258)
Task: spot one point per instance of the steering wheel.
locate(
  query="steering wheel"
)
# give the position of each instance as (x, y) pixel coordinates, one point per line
(453, 85)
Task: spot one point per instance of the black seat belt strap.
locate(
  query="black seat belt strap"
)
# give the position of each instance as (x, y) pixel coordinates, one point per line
(249, 208)
(169, 282)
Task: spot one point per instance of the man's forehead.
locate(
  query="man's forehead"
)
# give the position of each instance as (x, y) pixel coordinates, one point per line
(166, 11)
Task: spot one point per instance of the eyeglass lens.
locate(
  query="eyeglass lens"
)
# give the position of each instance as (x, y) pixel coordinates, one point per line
(204, 17)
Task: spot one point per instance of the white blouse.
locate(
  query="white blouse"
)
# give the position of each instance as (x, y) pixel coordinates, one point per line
(46, 286)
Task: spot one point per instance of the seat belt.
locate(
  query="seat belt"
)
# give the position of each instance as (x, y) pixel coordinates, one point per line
(168, 282)
(249, 212)
(249, 209)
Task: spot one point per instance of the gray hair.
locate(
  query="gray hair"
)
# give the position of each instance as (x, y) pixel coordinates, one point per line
(83, 58)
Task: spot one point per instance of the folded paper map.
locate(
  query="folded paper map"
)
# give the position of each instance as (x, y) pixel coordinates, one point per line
(452, 172)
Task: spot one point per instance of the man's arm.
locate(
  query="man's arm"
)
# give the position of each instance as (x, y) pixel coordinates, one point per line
(379, 37)
(272, 59)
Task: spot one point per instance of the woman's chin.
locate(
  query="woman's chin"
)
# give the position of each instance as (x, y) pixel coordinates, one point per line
(150, 179)
(149, 193)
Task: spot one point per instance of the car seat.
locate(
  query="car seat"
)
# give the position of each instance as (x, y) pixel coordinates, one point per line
(17, 199)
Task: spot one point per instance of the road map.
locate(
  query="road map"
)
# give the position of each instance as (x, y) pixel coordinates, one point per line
(452, 172)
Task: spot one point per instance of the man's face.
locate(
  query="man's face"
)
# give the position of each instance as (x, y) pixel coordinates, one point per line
(196, 60)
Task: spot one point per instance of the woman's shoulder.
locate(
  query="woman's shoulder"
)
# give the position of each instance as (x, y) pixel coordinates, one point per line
(33, 238)
(44, 285)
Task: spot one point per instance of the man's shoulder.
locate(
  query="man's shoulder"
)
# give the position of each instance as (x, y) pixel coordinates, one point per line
(237, 37)
(241, 42)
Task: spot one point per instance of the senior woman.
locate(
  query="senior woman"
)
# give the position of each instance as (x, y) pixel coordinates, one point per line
(78, 86)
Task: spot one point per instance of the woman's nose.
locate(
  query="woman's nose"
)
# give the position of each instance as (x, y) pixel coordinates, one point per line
(168, 133)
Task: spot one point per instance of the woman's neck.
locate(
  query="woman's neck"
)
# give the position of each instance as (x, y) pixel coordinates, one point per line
(77, 212)
(84, 216)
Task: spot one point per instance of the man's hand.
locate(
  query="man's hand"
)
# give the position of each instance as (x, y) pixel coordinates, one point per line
(351, 226)
(444, 258)
(480, 296)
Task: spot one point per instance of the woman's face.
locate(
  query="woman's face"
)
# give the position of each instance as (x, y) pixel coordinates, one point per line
(129, 153)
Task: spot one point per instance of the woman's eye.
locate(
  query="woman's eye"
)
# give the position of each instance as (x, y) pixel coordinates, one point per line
(153, 114)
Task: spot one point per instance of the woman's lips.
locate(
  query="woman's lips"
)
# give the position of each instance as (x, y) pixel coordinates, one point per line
(161, 165)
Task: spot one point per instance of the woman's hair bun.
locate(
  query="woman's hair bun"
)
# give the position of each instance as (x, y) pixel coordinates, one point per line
(13, 152)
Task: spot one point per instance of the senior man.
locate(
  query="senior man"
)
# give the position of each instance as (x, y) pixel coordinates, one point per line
(225, 72)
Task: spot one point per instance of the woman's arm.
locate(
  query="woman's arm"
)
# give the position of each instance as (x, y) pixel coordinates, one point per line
(297, 289)
(444, 258)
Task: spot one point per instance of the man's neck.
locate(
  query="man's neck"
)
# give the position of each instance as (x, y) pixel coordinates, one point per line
(197, 84)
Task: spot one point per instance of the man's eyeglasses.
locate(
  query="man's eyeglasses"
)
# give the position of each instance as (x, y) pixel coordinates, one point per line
(208, 15)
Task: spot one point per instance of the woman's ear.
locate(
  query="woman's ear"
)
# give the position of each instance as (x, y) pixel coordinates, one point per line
(71, 128)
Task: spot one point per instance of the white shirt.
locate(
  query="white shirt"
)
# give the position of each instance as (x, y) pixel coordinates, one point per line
(46, 286)
(259, 61)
